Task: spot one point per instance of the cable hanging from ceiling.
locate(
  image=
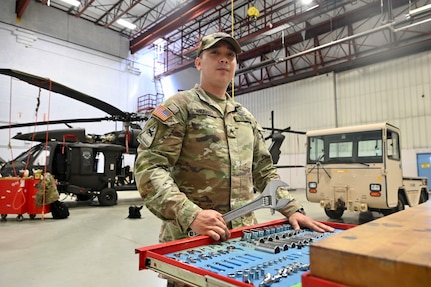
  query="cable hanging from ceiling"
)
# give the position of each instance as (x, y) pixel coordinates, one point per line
(233, 35)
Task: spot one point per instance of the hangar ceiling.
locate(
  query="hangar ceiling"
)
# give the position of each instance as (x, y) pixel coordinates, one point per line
(285, 41)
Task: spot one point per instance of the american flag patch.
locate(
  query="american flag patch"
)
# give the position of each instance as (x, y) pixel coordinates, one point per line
(162, 113)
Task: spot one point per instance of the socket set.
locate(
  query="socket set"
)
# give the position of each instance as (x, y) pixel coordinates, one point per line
(271, 254)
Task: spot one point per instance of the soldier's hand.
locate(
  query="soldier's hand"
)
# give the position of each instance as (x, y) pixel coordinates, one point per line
(298, 219)
(211, 223)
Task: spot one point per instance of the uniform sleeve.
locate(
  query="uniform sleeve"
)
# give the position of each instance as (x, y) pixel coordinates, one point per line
(292, 206)
(159, 149)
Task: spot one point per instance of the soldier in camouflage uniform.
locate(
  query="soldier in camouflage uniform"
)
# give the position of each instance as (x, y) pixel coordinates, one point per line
(201, 154)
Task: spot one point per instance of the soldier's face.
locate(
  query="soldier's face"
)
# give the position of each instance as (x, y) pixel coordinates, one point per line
(217, 63)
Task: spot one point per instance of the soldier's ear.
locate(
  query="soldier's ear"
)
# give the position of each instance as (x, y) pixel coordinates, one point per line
(198, 63)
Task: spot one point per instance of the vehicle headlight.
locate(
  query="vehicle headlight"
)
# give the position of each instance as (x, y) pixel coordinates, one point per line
(312, 184)
(375, 187)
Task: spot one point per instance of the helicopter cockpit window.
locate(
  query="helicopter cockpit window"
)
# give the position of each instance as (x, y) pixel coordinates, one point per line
(42, 158)
(29, 154)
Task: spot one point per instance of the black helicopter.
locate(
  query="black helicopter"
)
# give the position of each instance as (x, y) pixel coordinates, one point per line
(86, 166)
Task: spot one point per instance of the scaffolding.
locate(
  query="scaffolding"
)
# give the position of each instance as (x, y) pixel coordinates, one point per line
(148, 102)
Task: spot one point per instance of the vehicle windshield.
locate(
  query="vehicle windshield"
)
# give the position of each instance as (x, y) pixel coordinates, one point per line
(358, 147)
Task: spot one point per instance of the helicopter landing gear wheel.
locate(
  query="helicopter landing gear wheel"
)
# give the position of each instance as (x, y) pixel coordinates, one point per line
(334, 214)
(107, 197)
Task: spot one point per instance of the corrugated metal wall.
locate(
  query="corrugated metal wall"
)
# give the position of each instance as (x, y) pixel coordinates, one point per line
(397, 91)
(302, 106)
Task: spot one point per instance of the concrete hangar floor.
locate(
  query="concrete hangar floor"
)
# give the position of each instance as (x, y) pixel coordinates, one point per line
(95, 246)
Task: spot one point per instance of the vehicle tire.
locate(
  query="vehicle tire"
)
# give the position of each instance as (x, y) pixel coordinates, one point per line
(107, 197)
(334, 214)
(423, 197)
(401, 205)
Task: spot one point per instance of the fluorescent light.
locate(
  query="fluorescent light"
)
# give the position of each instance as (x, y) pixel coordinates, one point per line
(420, 10)
(126, 24)
(75, 3)
(159, 41)
(311, 8)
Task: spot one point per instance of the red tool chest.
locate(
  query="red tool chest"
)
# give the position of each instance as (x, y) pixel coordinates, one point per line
(170, 259)
(13, 199)
(17, 196)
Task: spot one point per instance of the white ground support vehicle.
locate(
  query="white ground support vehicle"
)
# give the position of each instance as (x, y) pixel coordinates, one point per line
(359, 169)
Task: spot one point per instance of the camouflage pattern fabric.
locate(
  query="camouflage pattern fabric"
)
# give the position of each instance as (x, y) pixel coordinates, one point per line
(194, 156)
(48, 189)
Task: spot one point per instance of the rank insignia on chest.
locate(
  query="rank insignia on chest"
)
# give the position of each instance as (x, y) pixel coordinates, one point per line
(162, 113)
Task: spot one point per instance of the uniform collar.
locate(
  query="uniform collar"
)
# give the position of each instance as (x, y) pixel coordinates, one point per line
(203, 96)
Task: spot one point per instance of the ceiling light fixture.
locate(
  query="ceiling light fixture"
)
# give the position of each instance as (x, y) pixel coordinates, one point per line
(75, 3)
(420, 10)
(312, 7)
(126, 24)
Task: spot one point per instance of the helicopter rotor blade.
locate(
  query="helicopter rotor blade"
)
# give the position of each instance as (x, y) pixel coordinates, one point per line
(45, 83)
(49, 85)
(87, 120)
(74, 134)
(286, 130)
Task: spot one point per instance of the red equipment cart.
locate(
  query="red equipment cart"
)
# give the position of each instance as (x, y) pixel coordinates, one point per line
(17, 196)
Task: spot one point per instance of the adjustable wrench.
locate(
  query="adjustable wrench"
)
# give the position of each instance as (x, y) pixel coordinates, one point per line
(267, 199)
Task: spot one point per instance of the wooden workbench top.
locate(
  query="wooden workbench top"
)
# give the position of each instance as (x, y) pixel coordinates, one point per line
(393, 251)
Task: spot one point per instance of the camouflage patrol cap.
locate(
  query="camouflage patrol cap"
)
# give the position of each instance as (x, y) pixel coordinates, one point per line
(210, 40)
